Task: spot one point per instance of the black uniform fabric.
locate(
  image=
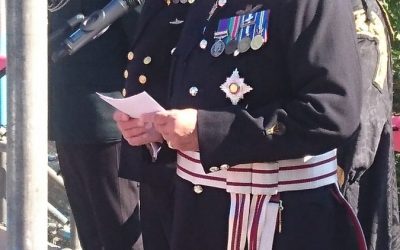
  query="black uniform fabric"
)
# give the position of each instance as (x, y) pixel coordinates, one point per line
(311, 220)
(74, 80)
(306, 79)
(104, 206)
(368, 158)
(157, 33)
(87, 140)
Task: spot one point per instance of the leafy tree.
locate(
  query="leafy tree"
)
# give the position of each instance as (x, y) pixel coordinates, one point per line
(393, 9)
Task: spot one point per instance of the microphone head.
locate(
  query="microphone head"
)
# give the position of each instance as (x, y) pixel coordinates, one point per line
(134, 3)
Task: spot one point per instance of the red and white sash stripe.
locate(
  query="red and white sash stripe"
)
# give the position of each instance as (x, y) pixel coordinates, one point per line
(252, 217)
(262, 178)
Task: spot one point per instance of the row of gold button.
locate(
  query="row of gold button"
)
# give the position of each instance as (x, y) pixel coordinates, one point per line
(147, 60)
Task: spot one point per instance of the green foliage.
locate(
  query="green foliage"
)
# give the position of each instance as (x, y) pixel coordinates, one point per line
(393, 8)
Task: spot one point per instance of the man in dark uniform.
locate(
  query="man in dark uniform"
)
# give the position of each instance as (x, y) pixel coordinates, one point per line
(87, 140)
(369, 182)
(148, 68)
(263, 92)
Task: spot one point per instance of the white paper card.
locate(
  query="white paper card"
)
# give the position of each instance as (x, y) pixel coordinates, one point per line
(135, 105)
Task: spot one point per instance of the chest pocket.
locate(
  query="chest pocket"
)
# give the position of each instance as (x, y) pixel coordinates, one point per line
(373, 46)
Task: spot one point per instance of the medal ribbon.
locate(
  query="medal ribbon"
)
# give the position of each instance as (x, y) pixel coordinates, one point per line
(245, 26)
(265, 22)
(233, 27)
(257, 25)
(222, 31)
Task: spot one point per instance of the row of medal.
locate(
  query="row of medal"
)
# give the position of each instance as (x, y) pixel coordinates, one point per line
(238, 34)
(179, 1)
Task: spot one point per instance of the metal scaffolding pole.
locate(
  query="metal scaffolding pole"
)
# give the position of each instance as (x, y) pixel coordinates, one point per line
(27, 124)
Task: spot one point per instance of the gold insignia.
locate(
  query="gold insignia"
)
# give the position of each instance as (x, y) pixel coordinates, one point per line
(235, 88)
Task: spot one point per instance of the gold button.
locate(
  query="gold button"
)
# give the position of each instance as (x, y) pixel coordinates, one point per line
(126, 74)
(147, 60)
(198, 189)
(214, 169)
(123, 92)
(224, 166)
(142, 79)
(130, 55)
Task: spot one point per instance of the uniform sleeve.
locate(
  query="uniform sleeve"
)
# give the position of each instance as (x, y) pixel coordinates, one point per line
(323, 108)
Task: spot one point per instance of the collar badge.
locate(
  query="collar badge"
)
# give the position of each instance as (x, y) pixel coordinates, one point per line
(235, 88)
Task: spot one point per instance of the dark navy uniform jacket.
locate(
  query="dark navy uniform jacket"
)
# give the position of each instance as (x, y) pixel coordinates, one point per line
(306, 82)
(148, 70)
(76, 113)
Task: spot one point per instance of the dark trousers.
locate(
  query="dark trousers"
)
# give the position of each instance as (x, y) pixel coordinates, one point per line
(156, 210)
(311, 220)
(103, 205)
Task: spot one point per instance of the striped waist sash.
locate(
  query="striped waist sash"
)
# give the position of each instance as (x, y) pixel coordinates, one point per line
(253, 214)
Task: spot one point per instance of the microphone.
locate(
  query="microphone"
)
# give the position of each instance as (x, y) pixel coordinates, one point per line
(70, 24)
(95, 25)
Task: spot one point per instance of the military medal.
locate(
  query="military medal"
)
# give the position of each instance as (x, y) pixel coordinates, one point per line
(257, 42)
(235, 88)
(219, 46)
(175, 1)
(261, 37)
(183, 1)
(244, 43)
(191, 1)
(231, 47)
(232, 43)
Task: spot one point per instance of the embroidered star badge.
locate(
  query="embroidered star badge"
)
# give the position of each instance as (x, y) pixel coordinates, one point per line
(235, 88)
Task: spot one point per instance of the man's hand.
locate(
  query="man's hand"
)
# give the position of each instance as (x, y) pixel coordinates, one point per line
(177, 127)
(135, 130)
